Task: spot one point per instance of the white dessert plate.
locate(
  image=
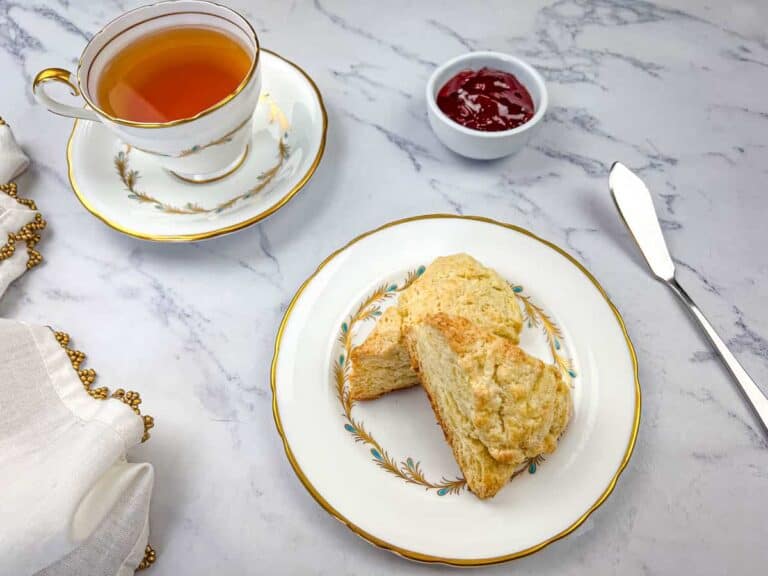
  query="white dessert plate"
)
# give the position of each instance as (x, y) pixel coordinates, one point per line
(130, 192)
(382, 467)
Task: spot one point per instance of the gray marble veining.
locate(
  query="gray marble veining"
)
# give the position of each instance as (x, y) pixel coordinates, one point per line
(675, 89)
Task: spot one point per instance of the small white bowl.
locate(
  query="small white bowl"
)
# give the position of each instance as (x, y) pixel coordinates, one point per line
(476, 143)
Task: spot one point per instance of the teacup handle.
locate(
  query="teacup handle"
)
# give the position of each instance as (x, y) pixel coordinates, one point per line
(64, 76)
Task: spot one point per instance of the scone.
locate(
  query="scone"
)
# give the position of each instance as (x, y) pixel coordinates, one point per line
(381, 363)
(497, 405)
(457, 285)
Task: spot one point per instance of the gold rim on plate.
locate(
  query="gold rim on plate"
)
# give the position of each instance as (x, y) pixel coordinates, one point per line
(418, 556)
(227, 229)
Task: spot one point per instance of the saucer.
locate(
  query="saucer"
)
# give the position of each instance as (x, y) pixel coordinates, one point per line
(129, 192)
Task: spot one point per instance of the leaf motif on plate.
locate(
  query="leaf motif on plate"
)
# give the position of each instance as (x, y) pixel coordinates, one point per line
(535, 316)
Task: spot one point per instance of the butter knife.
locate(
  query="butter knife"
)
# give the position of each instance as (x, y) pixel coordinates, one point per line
(635, 205)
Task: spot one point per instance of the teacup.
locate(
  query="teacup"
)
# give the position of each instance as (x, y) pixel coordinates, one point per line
(200, 148)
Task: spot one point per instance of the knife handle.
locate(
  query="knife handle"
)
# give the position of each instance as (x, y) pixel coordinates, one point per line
(751, 392)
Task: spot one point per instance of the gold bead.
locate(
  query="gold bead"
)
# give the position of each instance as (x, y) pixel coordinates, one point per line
(88, 376)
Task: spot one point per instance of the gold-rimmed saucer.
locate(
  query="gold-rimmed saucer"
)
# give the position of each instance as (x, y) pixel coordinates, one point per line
(126, 189)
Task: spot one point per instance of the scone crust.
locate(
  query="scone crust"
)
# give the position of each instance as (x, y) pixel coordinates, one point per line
(381, 363)
(461, 286)
(385, 334)
(519, 405)
(457, 285)
(495, 475)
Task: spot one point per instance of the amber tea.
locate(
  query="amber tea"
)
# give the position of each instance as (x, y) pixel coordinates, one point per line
(172, 74)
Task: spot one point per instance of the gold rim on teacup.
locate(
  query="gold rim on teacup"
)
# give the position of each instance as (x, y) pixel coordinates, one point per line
(199, 148)
(73, 81)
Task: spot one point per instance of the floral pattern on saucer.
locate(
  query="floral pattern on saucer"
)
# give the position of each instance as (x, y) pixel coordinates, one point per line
(129, 177)
(127, 189)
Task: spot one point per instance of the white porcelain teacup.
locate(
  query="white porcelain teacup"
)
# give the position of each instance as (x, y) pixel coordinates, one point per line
(200, 148)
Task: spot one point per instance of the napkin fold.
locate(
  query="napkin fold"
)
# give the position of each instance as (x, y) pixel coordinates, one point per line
(13, 161)
(70, 502)
(20, 227)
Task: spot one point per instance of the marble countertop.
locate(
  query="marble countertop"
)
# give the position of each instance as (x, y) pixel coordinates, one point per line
(675, 89)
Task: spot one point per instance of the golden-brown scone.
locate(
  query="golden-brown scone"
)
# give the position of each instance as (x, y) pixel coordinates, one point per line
(497, 405)
(457, 285)
(381, 363)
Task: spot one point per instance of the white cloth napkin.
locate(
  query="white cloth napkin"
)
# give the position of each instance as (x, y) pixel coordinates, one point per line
(70, 502)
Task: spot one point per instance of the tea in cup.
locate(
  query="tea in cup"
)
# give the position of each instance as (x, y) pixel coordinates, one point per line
(178, 80)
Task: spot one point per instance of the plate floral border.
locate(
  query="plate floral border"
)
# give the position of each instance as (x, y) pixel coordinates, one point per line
(409, 470)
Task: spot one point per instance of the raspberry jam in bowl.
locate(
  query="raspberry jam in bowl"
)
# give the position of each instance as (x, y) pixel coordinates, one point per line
(489, 100)
(485, 105)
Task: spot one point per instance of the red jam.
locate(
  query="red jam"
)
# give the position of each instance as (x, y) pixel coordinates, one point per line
(487, 99)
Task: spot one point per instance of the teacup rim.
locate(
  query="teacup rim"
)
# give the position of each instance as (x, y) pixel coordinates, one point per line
(202, 113)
